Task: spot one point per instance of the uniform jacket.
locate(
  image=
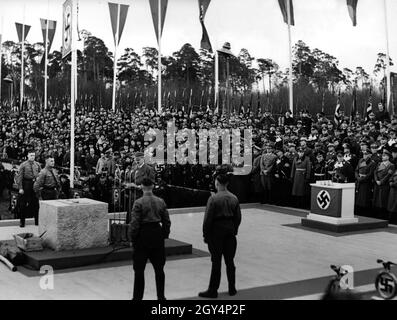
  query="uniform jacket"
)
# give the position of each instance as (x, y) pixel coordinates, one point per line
(149, 209)
(223, 210)
(47, 178)
(392, 203)
(25, 172)
(300, 173)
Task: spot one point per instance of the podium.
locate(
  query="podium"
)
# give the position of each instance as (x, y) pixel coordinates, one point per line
(332, 209)
(332, 203)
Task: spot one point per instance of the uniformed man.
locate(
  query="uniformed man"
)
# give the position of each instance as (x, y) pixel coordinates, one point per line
(343, 171)
(382, 175)
(47, 185)
(267, 165)
(28, 173)
(150, 225)
(221, 222)
(364, 181)
(139, 172)
(319, 167)
(282, 183)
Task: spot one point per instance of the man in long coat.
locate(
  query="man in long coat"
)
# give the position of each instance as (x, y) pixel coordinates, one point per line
(364, 182)
(382, 175)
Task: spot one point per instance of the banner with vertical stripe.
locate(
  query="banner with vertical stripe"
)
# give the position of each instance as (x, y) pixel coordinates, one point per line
(154, 7)
(52, 25)
(352, 7)
(284, 10)
(205, 40)
(113, 9)
(20, 31)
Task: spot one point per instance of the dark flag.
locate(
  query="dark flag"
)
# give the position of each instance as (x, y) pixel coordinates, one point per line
(121, 19)
(20, 31)
(52, 25)
(337, 116)
(352, 7)
(259, 103)
(154, 7)
(369, 106)
(354, 106)
(242, 105)
(205, 40)
(284, 10)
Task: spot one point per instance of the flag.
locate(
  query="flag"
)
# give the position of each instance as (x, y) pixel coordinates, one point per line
(352, 7)
(259, 103)
(202, 98)
(354, 106)
(205, 40)
(67, 28)
(242, 104)
(337, 116)
(369, 106)
(52, 25)
(20, 31)
(209, 99)
(154, 7)
(284, 10)
(121, 19)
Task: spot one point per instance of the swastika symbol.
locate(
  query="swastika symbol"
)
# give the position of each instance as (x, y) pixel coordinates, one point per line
(323, 199)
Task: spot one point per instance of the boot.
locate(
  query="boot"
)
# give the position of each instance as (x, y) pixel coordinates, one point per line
(208, 294)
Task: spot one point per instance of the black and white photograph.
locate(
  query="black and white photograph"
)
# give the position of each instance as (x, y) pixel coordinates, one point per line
(220, 151)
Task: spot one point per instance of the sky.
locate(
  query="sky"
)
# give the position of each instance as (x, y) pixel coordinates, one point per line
(256, 25)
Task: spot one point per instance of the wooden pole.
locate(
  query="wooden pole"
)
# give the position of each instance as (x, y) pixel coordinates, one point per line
(159, 107)
(291, 84)
(389, 106)
(115, 59)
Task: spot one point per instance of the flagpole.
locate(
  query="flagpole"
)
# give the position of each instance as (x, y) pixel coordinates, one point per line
(116, 40)
(22, 59)
(73, 93)
(216, 99)
(46, 57)
(159, 60)
(1, 55)
(291, 88)
(391, 109)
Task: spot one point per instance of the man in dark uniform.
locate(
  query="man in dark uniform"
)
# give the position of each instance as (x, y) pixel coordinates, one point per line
(47, 185)
(319, 167)
(221, 222)
(343, 170)
(140, 171)
(267, 164)
(282, 183)
(147, 237)
(364, 181)
(28, 173)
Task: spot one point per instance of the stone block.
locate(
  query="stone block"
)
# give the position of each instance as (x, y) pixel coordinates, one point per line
(74, 224)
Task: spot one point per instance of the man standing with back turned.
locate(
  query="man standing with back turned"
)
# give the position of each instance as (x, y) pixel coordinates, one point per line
(147, 236)
(221, 222)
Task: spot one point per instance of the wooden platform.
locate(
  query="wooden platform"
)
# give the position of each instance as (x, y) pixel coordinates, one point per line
(363, 224)
(86, 257)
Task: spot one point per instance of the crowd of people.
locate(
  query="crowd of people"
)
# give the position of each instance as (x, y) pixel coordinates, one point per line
(289, 151)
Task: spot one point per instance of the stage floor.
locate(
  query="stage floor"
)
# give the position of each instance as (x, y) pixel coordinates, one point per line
(276, 259)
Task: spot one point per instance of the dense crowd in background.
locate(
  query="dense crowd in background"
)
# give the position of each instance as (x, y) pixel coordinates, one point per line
(290, 152)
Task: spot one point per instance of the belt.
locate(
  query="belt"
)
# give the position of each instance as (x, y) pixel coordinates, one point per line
(319, 174)
(298, 169)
